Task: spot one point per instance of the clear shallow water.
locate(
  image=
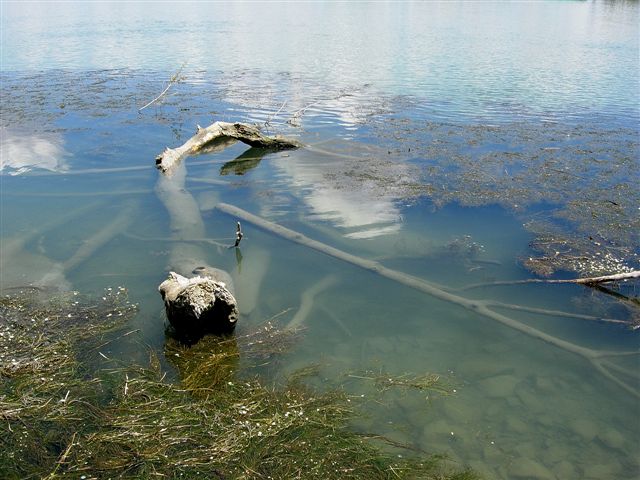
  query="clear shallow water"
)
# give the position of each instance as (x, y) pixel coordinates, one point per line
(448, 81)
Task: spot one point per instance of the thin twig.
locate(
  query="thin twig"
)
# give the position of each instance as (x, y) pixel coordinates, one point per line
(554, 313)
(268, 121)
(174, 79)
(117, 338)
(63, 458)
(580, 281)
(210, 241)
(298, 113)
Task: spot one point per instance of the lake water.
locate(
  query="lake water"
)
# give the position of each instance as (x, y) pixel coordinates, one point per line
(445, 140)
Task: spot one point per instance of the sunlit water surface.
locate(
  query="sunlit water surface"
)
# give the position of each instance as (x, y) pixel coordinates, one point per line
(373, 90)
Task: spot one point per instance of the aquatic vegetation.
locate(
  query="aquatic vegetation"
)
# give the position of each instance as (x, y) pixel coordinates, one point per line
(64, 414)
(47, 393)
(573, 186)
(384, 381)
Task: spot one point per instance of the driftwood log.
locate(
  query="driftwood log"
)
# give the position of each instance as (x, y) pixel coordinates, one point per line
(243, 132)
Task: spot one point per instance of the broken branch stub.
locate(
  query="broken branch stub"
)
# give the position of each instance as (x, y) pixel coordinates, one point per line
(198, 305)
(243, 132)
(239, 234)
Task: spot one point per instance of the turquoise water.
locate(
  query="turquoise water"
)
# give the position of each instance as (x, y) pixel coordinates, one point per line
(416, 117)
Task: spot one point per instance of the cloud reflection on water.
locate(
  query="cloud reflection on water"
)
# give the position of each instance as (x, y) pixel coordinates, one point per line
(21, 152)
(334, 192)
(352, 185)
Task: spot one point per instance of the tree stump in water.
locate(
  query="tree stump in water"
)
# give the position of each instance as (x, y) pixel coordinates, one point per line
(198, 305)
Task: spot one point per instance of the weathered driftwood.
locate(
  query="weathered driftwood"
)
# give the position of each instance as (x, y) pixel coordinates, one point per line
(602, 279)
(198, 305)
(221, 130)
(595, 357)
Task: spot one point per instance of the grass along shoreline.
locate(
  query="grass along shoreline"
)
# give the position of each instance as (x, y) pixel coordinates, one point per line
(63, 415)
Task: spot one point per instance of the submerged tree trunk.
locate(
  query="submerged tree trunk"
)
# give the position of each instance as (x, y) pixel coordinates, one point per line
(248, 134)
(597, 358)
(200, 304)
(204, 303)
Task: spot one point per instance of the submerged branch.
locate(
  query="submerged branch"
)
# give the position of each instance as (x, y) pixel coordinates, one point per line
(209, 241)
(307, 300)
(480, 307)
(555, 313)
(119, 224)
(271, 117)
(630, 301)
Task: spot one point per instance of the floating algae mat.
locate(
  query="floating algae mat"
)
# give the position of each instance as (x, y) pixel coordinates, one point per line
(64, 414)
(583, 184)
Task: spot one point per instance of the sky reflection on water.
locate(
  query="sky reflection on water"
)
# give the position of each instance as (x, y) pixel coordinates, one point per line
(20, 153)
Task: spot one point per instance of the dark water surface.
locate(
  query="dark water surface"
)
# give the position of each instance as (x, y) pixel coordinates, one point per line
(444, 141)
